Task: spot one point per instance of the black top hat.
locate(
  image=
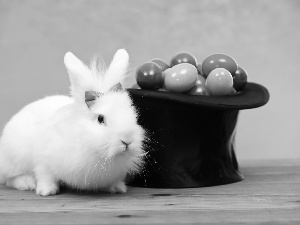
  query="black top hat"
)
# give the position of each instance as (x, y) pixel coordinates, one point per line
(191, 139)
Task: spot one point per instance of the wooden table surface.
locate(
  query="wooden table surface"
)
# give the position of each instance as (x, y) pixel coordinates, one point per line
(270, 194)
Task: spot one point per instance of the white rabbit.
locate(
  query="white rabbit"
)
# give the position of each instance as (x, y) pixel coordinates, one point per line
(89, 145)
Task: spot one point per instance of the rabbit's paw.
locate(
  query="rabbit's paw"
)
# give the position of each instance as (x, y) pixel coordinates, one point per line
(119, 187)
(47, 188)
(22, 182)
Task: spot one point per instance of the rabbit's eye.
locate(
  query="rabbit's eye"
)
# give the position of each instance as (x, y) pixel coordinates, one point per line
(101, 119)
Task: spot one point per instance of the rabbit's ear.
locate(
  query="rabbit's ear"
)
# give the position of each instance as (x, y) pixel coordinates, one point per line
(117, 70)
(80, 76)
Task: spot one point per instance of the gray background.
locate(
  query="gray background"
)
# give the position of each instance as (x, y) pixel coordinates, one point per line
(262, 35)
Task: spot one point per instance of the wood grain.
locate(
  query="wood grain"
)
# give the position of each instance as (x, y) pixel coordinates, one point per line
(270, 194)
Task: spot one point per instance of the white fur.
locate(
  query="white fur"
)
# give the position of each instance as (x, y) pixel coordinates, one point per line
(59, 139)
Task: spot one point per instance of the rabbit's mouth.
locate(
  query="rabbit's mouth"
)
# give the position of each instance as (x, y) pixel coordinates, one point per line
(125, 147)
(124, 150)
(127, 150)
(130, 148)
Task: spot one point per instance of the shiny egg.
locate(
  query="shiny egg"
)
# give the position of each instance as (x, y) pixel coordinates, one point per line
(199, 89)
(183, 57)
(149, 76)
(219, 82)
(240, 79)
(218, 61)
(180, 78)
(161, 63)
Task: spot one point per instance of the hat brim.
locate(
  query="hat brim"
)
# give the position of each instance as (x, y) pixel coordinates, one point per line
(252, 96)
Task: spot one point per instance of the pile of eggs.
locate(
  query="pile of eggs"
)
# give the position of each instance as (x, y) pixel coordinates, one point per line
(218, 75)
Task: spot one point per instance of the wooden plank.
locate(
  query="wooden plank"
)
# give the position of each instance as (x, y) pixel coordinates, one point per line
(273, 217)
(269, 194)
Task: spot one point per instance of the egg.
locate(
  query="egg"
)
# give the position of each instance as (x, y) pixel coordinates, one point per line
(180, 78)
(200, 80)
(199, 68)
(183, 57)
(199, 89)
(161, 63)
(149, 76)
(219, 82)
(218, 61)
(240, 79)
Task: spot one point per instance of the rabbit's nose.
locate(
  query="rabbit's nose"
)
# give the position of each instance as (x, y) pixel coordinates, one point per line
(126, 143)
